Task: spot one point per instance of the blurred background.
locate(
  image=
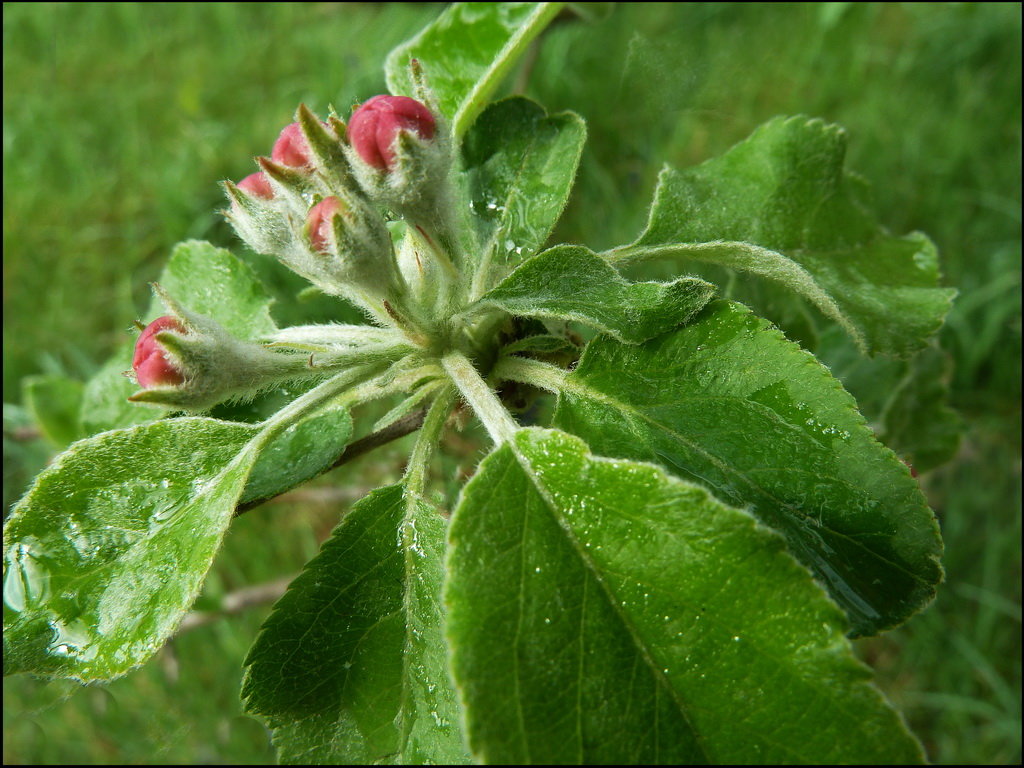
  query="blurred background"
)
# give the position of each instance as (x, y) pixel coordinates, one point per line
(119, 120)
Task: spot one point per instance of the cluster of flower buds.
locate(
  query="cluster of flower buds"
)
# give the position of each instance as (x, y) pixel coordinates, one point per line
(318, 203)
(189, 361)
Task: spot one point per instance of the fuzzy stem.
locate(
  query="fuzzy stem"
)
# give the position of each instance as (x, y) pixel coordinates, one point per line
(527, 371)
(430, 434)
(314, 398)
(384, 386)
(488, 408)
(371, 389)
(481, 277)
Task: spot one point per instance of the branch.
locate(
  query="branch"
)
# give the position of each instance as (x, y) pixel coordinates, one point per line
(400, 428)
(236, 602)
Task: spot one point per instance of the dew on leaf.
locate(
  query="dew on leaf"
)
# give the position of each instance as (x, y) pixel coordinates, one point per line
(27, 580)
(72, 639)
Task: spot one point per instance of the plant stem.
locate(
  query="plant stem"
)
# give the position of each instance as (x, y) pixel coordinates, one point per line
(372, 389)
(622, 256)
(527, 371)
(433, 421)
(488, 408)
(388, 384)
(314, 398)
(404, 426)
(236, 602)
(481, 275)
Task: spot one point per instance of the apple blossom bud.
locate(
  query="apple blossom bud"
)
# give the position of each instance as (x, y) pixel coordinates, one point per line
(256, 184)
(152, 367)
(376, 124)
(291, 148)
(320, 222)
(189, 361)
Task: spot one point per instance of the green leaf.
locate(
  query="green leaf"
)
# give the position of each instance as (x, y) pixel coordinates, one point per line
(208, 280)
(105, 399)
(573, 283)
(109, 548)
(602, 612)
(520, 164)
(55, 403)
(907, 401)
(298, 454)
(919, 424)
(780, 205)
(466, 54)
(214, 282)
(544, 344)
(729, 403)
(351, 667)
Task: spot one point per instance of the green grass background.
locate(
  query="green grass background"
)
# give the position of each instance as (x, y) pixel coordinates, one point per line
(119, 119)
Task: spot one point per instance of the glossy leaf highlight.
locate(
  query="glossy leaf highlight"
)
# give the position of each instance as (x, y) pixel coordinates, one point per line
(109, 548)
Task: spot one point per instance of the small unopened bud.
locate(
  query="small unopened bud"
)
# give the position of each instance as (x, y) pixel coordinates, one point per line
(376, 124)
(320, 223)
(291, 148)
(189, 361)
(151, 364)
(348, 246)
(256, 184)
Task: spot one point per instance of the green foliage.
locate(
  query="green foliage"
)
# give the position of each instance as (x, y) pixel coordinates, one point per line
(573, 283)
(467, 52)
(603, 612)
(906, 401)
(520, 164)
(728, 402)
(108, 550)
(299, 453)
(780, 206)
(914, 420)
(351, 666)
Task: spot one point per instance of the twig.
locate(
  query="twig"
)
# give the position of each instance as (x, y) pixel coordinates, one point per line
(324, 496)
(238, 601)
(400, 428)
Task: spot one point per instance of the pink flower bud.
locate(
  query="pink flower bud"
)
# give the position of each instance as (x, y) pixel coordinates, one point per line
(257, 185)
(291, 148)
(320, 222)
(152, 368)
(377, 122)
